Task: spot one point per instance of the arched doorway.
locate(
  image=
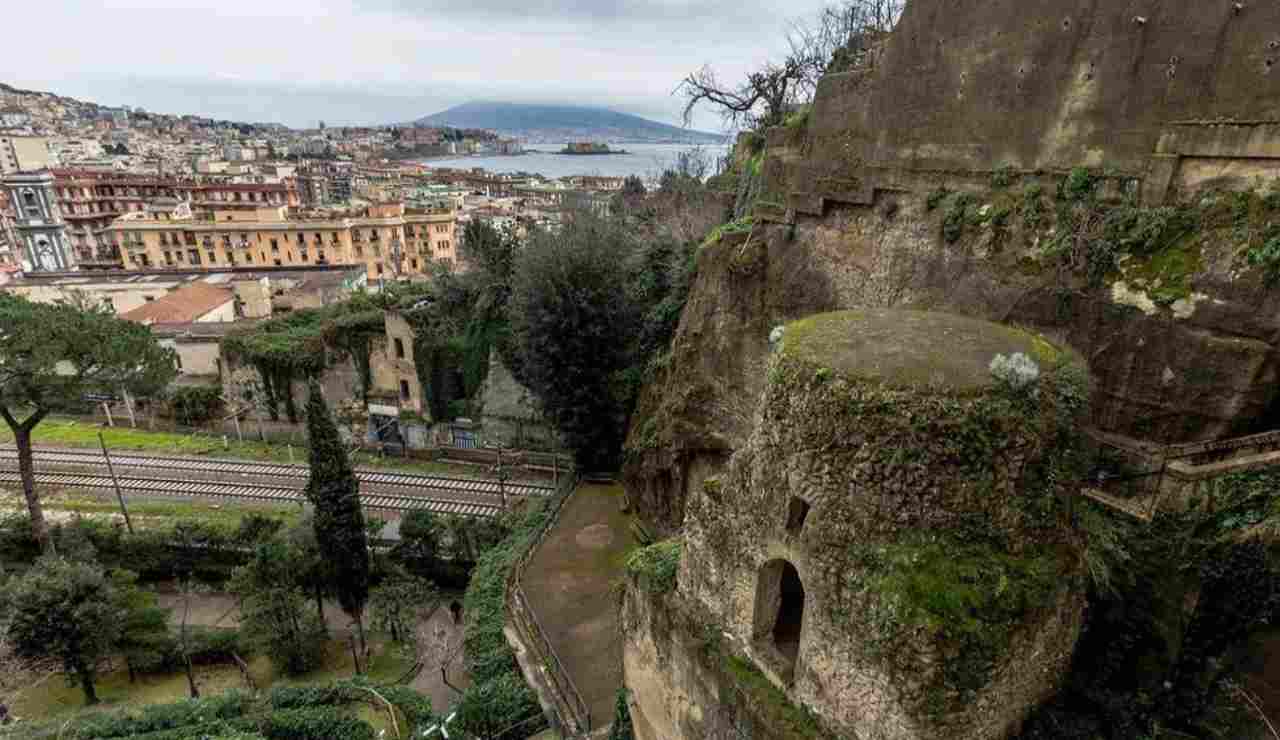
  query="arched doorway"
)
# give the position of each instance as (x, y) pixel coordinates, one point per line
(779, 612)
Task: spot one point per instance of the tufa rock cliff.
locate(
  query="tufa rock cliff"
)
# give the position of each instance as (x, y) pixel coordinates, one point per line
(943, 600)
(1106, 181)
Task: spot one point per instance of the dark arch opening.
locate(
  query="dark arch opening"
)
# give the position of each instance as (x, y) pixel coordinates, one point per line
(779, 614)
(786, 630)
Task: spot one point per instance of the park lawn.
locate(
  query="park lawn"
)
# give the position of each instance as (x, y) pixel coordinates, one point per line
(55, 699)
(55, 432)
(148, 512)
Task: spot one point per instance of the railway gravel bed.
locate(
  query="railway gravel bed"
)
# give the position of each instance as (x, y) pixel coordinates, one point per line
(49, 459)
(167, 487)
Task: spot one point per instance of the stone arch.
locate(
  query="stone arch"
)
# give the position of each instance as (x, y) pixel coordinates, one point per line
(779, 613)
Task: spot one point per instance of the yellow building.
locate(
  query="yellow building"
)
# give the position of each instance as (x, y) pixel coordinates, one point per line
(388, 239)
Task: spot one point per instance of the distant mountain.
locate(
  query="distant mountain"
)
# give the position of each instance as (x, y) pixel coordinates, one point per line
(556, 123)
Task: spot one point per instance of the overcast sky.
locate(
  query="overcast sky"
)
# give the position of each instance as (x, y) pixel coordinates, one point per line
(353, 62)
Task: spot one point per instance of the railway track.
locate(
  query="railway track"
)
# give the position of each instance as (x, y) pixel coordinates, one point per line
(45, 458)
(248, 492)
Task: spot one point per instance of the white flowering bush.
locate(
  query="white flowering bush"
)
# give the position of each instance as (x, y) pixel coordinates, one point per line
(1017, 370)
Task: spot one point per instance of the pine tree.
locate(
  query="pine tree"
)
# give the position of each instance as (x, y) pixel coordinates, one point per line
(339, 522)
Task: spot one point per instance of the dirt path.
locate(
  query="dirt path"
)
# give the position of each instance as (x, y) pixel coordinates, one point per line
(440, 640)
(569, 585)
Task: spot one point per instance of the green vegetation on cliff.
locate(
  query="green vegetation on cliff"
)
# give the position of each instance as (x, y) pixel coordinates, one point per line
(1176, 608)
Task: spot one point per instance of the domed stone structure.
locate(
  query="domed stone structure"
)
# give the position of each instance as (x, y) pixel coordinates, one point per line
(889, 553)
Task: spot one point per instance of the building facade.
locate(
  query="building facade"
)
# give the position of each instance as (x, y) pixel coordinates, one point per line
(388, 240)
(90, 201)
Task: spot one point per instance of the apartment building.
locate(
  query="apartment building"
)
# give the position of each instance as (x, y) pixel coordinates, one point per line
(389, 240)
(90, 201)
(23, 153)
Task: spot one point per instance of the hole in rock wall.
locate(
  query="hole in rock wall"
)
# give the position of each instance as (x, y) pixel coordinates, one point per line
(797, 511)
(786, 631)
(779, 616)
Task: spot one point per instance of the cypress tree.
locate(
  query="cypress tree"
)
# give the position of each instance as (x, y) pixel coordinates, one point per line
(339, 522)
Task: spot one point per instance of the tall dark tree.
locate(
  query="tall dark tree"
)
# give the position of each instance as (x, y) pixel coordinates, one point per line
(339, 522)
(574, 326)
(51, 355)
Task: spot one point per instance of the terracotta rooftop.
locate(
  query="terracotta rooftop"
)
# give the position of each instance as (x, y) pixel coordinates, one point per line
(183, 305)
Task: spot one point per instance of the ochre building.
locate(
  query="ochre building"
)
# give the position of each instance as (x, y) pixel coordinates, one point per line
(388, 239)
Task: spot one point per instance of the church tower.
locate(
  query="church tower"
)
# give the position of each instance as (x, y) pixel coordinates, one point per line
(42, 234)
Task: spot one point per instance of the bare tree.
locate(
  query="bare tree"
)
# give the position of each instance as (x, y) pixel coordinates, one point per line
(841, 38)
(19, 675)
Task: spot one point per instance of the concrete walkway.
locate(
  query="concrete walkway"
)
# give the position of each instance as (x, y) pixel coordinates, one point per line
(569, 584)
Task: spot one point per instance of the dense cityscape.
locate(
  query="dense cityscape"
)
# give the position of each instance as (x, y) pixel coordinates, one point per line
(138, 191)
(935, 395)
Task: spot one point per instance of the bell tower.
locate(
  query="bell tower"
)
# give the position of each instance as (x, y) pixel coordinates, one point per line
(41, 231)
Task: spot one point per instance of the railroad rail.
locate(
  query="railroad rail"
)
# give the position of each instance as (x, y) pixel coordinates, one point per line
(223, 466)
(248, 491)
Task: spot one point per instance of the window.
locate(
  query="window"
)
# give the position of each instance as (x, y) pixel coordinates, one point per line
(359, 251)
(413, 263)
(399, 348)
(275, 246)
(379, 268)
(797, 511)
(148, 298)
(404, 390)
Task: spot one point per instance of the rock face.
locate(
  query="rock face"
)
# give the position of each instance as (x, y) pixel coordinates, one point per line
(887, 547)
(994, 102)
(1165, 90)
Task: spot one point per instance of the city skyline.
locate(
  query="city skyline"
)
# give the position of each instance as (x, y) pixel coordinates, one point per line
(376, 62)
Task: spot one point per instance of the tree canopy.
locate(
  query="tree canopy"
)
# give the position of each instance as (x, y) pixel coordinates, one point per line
(339, 521)
(67, 609)
(53, 354)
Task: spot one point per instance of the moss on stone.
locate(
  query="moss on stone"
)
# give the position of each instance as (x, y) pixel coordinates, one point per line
(969, 594)
(781, 715)
(911, 348)
(655, 566)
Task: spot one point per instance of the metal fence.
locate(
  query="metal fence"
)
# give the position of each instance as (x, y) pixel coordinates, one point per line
(526, 620)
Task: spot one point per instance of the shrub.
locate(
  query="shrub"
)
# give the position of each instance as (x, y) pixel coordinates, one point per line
(957, 218)
(315, 723)
(1079, 185)
(1003, 177)
(1267, 257)
(157, 717)
(935, 198)
(1017, 371)
(196, 405)
(656, 566)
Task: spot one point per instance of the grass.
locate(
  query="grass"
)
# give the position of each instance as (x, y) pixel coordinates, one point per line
(61, 432)
(910, 348)
(57, 699)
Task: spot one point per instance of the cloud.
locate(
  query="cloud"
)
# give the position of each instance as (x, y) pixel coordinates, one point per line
(684, 16)
(380, 61)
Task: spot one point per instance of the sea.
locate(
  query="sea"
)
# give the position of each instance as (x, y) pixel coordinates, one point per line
(648, 161)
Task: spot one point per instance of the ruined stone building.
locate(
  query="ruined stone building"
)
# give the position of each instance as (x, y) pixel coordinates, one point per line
(972, 171)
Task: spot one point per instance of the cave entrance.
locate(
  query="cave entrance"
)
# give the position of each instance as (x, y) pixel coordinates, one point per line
(779, 615)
